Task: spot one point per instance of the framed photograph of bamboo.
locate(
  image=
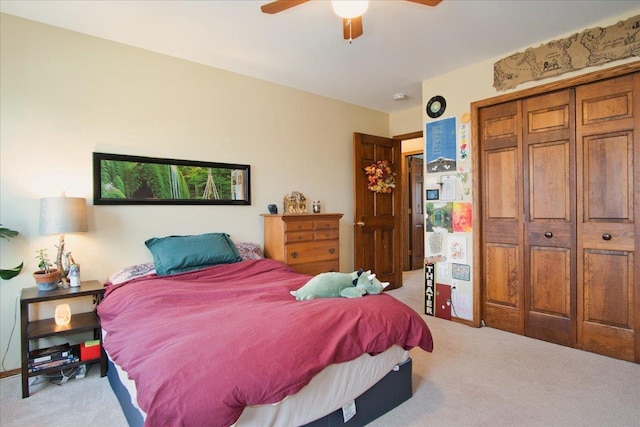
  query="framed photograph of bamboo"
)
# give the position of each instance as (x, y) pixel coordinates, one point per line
(136, 180)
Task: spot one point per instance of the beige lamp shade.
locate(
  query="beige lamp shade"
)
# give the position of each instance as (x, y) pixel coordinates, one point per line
(63, 314)
(60, 215)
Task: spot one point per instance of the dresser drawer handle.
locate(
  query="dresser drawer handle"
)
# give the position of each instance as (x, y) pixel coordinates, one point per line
(332, 251)
(294, 254)
(606, 236)
(548, 234)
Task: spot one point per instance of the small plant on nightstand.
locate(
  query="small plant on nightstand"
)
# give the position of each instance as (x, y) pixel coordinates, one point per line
(47, 277)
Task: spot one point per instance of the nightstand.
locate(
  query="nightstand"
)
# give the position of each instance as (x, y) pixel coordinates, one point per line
(32, 330)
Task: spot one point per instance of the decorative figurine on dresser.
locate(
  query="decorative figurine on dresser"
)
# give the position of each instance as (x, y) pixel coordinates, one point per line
(310, 243)
(294, 203)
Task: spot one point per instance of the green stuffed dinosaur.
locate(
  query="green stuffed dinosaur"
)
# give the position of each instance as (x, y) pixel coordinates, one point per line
(333, 285)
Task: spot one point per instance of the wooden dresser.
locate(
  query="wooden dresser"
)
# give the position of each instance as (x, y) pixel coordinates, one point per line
(310, 243)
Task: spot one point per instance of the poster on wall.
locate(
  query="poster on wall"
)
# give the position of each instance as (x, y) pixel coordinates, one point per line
(461, 271)
(429, 291)
(440, 146)
(592, 47)
(443, 301)
(462, 217)
(435, 243)
(463, 151)
(438, 215)
(461, 305)
(135, 180)
(457, 249)
(448, 187)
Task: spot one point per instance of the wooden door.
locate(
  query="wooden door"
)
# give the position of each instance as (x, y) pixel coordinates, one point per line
(608, 180)
(501, 238)
(416, 213)
(549, 217)
(378, 216)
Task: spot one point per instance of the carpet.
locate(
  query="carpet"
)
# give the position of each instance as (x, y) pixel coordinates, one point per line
(474, 377)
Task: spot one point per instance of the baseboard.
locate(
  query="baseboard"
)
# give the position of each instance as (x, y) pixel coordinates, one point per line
(12, 372)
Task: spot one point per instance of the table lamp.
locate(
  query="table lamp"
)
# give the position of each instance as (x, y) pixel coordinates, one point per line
(62, 314)
(60, 215)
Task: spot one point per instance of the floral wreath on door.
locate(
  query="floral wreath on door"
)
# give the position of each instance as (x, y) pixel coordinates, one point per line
(381, 177)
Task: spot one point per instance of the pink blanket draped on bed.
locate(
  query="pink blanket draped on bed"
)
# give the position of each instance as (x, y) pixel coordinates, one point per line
(202, 345)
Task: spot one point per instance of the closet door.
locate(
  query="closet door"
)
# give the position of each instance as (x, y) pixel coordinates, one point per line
(501, 160)
(549, 217)
(608, 146)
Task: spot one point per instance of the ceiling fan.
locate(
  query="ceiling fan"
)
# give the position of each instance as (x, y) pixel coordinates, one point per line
(350, 12)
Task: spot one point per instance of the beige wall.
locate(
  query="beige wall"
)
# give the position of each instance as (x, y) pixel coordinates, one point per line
(406, 121)
(65, 95)
(460, 88)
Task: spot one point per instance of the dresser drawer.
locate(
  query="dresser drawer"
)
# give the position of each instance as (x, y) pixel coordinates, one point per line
(298, 236)
(298, 226)
(314, 268)
(325, 224)
(300, 253)
(329, 234)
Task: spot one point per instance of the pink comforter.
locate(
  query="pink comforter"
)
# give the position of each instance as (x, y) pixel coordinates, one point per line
(202, 345)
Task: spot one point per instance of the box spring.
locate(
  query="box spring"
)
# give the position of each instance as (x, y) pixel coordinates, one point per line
(393, 389)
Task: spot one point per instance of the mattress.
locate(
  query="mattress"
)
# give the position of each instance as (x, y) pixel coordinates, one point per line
(333, 388)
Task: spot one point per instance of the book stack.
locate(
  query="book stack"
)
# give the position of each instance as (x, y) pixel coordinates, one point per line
(52, 357)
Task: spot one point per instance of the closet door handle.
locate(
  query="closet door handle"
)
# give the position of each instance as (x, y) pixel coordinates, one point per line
(548, 234)
(606, 236)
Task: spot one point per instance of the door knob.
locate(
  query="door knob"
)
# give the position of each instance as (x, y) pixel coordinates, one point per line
(606, 236)
(359, 223)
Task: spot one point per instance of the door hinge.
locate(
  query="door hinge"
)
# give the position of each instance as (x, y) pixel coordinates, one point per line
(409, 211)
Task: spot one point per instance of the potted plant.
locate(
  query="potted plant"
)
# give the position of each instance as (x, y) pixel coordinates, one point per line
(6, 274)
(47, 277)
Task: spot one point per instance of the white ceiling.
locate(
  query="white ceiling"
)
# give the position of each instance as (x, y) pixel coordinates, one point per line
(403, 44)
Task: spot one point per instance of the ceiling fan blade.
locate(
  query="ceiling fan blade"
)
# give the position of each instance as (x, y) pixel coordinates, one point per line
(352, 28)
(426, 2)
(280, 5)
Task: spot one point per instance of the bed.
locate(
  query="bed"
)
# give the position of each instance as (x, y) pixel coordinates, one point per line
(225, 344)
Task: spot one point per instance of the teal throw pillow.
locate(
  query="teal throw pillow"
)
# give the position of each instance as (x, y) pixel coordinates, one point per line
(177, 254)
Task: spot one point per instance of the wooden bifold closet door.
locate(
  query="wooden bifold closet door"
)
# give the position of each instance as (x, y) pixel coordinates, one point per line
(558, 194)
(608, 228)
(549, 217)
(502, 246)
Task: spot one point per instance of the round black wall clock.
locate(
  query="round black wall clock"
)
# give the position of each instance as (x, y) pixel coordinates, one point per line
(436, 106)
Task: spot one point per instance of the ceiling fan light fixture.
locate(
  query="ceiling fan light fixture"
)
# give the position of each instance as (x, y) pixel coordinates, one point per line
(349, 8)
